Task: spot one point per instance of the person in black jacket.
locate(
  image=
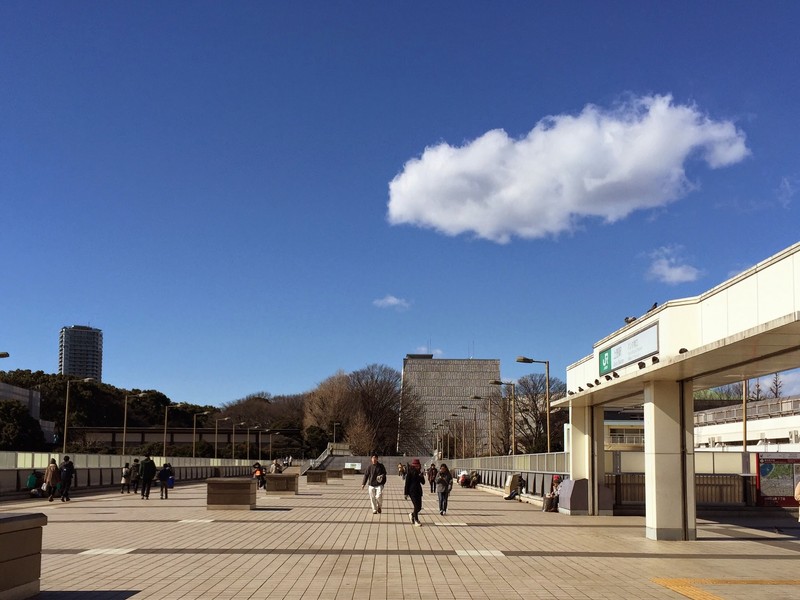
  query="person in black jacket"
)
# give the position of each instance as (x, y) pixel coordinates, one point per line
(375, 475)
(413, 489)
(67, 474)
(147, 470)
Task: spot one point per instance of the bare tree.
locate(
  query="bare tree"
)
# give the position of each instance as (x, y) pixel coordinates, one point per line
(360, 435)
(775, 386)
(329, 403)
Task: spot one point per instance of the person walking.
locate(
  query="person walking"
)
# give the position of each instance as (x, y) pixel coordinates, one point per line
(52, 477)
(67, 473)
(375, 475)
(432, 472)
(147, 470)
(275, 467)
(135, 477)
(163, 477)
(444, 485)
(125, 480)
(413, 489)
(401, 470)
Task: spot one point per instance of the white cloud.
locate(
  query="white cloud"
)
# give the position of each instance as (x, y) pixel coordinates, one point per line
(389, 301)
(599, 163)
(787, 190)
(668, 266)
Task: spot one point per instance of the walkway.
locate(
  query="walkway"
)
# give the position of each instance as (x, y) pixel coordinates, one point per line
(325, 543)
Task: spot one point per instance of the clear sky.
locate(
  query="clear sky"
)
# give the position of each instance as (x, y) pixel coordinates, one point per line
(250, 196)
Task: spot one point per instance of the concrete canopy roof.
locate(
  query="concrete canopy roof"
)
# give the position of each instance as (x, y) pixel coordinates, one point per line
(763, 350)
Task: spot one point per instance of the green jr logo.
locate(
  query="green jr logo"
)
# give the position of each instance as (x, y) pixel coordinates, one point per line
(605, 362)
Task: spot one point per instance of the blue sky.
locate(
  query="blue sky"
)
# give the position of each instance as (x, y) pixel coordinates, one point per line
(251, 196)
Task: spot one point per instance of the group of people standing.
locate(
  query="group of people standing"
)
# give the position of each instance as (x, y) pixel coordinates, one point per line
(145, 473)
(58, 478)
(440, 480)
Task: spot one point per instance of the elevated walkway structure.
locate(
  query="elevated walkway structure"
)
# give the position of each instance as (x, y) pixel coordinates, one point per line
(746, 327)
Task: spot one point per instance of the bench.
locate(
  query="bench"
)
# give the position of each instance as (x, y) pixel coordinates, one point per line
(230, 493)
(282, 483)
(20, 554)
(335, 473)
(313, 477)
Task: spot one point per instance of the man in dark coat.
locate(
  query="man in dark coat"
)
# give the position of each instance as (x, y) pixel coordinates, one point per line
(67, 473)
(147, 470)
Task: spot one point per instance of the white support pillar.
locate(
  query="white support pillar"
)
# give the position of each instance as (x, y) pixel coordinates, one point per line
(580, 451)
(669, 461)
(598, 459)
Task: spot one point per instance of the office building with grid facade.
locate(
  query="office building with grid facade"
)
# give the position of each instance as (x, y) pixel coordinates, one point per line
(445, 387)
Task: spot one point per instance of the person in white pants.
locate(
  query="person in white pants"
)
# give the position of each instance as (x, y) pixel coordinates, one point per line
(375, 476)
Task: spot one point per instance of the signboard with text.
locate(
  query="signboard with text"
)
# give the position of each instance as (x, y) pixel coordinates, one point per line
(633, 349)
(778, 474)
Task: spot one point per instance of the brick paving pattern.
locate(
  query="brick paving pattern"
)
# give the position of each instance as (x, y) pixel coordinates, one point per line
(325, 543)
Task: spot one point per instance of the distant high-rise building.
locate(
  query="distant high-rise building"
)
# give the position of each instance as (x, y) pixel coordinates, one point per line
(446, 388)
(80, 352)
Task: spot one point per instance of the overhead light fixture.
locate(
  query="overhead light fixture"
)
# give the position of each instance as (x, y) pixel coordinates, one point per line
(682, 351)
(642, 365)
(655, 360)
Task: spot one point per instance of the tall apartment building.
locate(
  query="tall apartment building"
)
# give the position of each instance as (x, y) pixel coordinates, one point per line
(80, 352)
(445, 386)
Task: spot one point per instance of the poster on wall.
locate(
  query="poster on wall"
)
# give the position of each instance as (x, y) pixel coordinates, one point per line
(778, 474)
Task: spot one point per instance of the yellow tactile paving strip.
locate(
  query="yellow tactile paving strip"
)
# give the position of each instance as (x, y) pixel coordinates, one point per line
(688, 587)
(325, 544)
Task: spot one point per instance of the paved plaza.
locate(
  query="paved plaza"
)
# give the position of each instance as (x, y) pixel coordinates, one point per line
(326, 543)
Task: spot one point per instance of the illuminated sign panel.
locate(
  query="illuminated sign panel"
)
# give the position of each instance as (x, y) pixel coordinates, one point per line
(631, 350)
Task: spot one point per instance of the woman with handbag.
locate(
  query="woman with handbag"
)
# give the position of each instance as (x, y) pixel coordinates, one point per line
(52, 478)
(444, 485)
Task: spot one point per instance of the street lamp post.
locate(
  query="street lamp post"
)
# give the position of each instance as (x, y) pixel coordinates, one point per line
(125, 418)
(216, 431)
(474, 428)
(233, 438)
(248, 440)
(334, 431)
(489, 403)
(166, 410)
(449, 435)
(546, 363)
(66, 410)
(455, 436)
(194, 430)
(512, 385)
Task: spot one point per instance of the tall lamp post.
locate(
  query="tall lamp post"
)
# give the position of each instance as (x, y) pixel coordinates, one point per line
(233, 438)
(449, 435)
(546, 363)
(455, 438)
(66, 410)
(166, 410)
(513, 386)
(216, 431)
(334, 431)
(125, 418)
(489, 403)
(194, 430)
(474, 428)
(248, 439)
